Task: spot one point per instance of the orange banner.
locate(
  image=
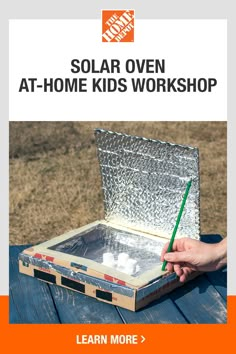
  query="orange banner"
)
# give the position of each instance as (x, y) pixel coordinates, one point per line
(109, 338)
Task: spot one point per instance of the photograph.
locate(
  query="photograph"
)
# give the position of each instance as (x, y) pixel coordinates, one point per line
(118, 222)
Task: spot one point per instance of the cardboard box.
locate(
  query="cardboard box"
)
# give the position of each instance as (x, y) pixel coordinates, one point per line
(117, 260)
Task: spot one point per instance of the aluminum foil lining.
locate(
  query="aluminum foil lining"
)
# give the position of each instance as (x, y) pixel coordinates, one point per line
(144, 180)
(102, 239)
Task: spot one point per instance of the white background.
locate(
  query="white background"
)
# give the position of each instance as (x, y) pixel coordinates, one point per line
(45, 48)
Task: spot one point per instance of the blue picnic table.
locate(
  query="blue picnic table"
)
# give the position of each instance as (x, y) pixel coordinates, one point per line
(202, 300)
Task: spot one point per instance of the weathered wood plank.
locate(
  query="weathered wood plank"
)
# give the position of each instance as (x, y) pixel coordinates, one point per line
(74, 307)
(219, 280)
(159, 311)
(30, 299)
(211, 238)
(200, 302)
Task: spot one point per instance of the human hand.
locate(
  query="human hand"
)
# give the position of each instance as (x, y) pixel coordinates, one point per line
(190, 255)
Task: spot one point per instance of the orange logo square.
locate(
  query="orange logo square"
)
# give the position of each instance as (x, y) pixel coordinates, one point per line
(118, 25)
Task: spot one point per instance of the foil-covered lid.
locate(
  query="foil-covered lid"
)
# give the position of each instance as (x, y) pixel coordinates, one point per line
(144, 181)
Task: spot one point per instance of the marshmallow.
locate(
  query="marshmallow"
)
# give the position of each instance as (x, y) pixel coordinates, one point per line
(123, 264)
(130, 267)
(108, 259)
(122, 259)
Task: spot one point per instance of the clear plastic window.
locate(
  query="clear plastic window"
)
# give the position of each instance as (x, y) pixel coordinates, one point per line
(127, 252)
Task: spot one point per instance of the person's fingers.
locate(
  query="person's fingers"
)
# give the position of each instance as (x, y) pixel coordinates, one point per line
(182, 278)
(178, 270)
(164, 250)
(183, 272)
(178, 257)
(169, 267)
(174, 268)
(186, 272)
(178, 245)
(183, 244)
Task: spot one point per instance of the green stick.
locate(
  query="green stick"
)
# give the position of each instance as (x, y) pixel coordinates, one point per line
(177, 221)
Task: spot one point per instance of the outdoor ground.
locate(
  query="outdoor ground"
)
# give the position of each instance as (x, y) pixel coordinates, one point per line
(55, 181)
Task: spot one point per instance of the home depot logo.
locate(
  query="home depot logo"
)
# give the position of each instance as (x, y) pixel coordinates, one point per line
(118, 25)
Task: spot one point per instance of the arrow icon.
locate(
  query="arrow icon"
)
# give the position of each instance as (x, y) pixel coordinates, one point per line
(142, 339)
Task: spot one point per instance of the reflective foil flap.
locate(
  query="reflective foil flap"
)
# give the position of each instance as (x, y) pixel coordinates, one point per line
(144, 181)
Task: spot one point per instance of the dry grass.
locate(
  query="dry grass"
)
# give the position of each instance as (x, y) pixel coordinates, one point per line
(55, 184)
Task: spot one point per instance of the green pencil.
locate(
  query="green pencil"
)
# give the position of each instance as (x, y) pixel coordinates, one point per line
(177, 221)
